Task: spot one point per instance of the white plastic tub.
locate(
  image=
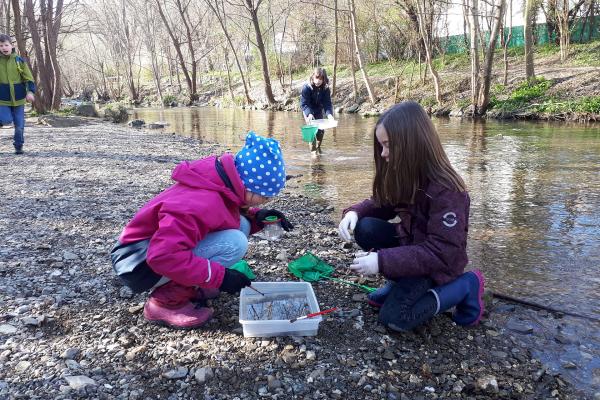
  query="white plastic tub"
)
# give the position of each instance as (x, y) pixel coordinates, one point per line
(279, 327)
(325, 123)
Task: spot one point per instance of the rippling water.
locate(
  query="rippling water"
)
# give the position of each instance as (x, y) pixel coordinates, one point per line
(535, 191)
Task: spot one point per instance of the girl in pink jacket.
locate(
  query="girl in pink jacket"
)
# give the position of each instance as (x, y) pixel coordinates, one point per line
(181, 242)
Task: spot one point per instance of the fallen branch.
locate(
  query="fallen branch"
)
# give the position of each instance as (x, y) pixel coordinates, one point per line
(542, 307)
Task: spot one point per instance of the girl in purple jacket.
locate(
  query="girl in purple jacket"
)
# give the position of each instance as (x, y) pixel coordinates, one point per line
(424, 255)
(181, 243)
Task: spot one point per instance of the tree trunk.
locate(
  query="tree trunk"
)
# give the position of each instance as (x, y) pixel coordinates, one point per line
(484, 96)
(472, 13)
(261, 49)
(216, 9)
(177, 46)
(528, 17)
(335, 48)
(229, 85)
(507, 42)
(351, 51)
(358, 55)
(562, 14)
(21, 46)
(192, 53)
(425, 35)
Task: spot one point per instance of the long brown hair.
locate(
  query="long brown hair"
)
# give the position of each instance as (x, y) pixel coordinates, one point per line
(319, 73)
(416, 155)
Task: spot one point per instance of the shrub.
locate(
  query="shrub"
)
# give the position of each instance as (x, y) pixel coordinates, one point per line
(116, 112)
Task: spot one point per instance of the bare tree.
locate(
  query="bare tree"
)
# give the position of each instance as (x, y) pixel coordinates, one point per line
(528, 19)
(44, 30)
(484, 95)
(471, 11)
(335, 47)
(425, 14)
(506, 41)
(252, 8)
(361, 65)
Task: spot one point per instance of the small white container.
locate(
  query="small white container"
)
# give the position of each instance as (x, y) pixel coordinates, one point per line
(279, 327)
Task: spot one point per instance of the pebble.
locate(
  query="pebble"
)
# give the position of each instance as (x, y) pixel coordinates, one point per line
(177, 373)
(67, 255)
(311, 355)
(79, 381)
(203, 375)
(70, 353)
(22, 366)
(488, 384)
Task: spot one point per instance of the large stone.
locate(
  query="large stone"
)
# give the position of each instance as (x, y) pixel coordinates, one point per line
(488, 384)
(79, 381)
(86, 110)
(177, 373)
(352, 109)
(7, 329)
(203, 374)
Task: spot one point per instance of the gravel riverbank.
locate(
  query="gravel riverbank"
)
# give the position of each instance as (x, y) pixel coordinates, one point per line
(69, 330)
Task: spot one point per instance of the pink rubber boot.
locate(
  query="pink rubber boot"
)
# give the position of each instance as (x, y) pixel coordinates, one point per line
(170, 305)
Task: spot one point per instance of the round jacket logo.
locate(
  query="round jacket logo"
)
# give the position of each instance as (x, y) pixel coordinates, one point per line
(449, 219)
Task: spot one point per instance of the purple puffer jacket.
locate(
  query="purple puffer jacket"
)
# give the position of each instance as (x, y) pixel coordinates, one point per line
(432, 234)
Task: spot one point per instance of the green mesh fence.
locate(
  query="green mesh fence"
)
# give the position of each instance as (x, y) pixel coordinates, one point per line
(582, 32)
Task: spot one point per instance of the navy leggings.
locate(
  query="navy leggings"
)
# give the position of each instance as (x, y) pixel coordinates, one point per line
(408, 302)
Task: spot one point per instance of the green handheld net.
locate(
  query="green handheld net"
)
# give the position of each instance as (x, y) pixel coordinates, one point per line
(311, 268)
(243, 267)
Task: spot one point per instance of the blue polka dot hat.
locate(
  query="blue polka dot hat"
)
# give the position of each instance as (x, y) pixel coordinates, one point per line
(260, 165)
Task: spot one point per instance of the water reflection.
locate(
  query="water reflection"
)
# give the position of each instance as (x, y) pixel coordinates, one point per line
(534, 187)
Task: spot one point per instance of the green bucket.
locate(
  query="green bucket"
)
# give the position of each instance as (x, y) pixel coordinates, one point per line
(309, 133)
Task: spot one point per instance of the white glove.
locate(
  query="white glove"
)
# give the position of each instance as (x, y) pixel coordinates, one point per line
(330, 117)
(366, 264)
(309, 118)
(347, 225)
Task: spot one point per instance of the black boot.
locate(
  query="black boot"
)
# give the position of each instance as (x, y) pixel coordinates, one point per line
(18, 149)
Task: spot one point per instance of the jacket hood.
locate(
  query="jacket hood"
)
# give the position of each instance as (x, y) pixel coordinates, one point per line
(201, 174)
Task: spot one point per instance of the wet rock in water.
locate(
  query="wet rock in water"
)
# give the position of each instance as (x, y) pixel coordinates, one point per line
(79, 381)
(520, 327)
(353, 108)
(487, 384)
(137, 123)
(177, 373)
(569, 365)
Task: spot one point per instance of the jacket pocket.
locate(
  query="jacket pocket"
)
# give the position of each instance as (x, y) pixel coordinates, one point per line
(20, 91)
(5, 92)
(129, 263)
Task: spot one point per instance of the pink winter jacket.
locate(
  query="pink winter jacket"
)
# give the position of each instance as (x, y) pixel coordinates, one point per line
(181, 216)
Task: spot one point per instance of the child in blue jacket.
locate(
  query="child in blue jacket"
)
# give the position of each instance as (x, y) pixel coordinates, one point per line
(316, 98)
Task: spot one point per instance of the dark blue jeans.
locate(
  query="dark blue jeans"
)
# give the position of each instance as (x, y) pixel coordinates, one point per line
(407, 302)
(14, 115)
